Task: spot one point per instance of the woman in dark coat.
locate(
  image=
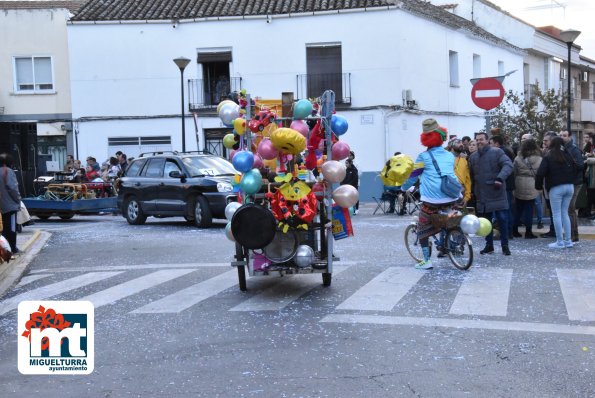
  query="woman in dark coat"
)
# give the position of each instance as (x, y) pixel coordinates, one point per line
(351, 178)
(10, 200)
(558, 169)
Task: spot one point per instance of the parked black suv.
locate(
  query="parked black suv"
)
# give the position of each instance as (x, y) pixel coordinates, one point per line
(165, 184)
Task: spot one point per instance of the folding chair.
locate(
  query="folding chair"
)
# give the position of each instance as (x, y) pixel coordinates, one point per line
(412, 202)
(383, 203)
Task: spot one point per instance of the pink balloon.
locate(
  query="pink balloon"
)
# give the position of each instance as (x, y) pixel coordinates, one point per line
(333, 171)
(346, 195)
(266, 150)
(340, 150)
(232, 154)
(301, 126)
(257, 162)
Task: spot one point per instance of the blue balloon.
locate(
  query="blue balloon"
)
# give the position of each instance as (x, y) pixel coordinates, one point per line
(251, 182)
(339, 125)
(302, 109)
(243, 161)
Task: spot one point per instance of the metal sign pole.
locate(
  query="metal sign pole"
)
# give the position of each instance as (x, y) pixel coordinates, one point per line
(328, 107)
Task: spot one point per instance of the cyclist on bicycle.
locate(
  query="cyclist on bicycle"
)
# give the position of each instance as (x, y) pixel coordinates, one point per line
(430, 166)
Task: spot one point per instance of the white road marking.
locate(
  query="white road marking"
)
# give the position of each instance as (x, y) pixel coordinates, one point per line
(460, 324)
(487, 93)
(384, 291)
(134, 286)
(186, 298)
(578, 290)
(146, 266)
(32, 278)
(289, 289)
(54, 289)
(483, 292)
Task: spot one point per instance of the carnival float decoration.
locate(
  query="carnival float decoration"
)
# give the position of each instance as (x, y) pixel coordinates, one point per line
(290, 205)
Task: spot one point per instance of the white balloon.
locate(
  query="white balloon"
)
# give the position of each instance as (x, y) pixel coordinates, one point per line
(229, 112)
(228, 232)
(470, 224)
(230, 209)
(346, 196)
(334, 171)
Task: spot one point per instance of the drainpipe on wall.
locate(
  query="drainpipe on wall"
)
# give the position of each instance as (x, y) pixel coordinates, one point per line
(385, 116)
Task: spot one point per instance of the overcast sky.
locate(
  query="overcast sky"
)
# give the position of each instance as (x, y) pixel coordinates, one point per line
(564, 14)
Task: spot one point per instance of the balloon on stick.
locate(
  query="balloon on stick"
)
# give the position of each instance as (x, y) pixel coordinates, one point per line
(251, 182)
(229, 112)
(228, 232)
(229, 141)
(230, 209)
(267, 150)
(302, 109)
(346, 195)
(340, 150)
(239, 125)
(334, 171)
(339, 125)
(223, 103)
(300, 126)
(485, 227)
(243, 161)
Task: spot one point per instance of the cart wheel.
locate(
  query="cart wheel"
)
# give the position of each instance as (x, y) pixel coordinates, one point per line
(241, 256)
(242, 277)
(326, 279)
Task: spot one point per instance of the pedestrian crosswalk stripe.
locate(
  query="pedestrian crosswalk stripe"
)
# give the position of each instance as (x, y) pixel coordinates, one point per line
(134, 286)
(55, 289)
(384, 291)
(32, 278)
(192, 295)
(460, 323)
(288, 289)
(483, 292)
(578, 290)
(130, 267)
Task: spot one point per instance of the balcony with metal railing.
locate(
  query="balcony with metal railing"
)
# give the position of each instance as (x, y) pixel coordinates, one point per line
(201, 97)
(313, 85)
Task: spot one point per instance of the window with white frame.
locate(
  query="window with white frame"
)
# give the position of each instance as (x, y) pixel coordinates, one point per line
(476, 66)
(33, 74)
(453, 62)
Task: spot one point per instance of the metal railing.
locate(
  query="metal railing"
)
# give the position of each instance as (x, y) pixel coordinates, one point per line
(200, 96)
(313, 85)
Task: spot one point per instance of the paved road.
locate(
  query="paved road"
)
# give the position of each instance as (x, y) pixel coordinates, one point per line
(170, 319)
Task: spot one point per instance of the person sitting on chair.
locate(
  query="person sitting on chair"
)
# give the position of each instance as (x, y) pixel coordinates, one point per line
(429, 166)
(393, 174)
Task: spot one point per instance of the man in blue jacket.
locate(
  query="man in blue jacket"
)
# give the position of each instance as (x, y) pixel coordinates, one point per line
(489, 167)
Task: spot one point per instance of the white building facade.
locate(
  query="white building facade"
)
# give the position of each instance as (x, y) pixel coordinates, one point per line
(126, 89)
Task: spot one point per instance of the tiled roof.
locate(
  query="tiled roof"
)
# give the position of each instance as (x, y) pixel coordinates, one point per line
(71, 6)
(143, 10)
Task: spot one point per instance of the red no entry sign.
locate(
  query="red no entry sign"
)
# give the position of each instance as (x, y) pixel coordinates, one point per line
(487, 93)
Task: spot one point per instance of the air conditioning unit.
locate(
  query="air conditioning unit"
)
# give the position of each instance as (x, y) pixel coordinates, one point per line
(584, 76)
(563, 74)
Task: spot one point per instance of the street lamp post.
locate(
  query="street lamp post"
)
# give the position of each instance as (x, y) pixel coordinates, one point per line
(182, 62)
(569, 36)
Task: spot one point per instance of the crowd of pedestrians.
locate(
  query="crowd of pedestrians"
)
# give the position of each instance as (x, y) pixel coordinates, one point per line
(510, 187)
(111, 169)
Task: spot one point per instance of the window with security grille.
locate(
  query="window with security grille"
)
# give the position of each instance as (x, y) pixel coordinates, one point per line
(33, 74)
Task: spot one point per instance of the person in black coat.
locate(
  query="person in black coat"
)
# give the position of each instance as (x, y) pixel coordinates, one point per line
(351, 178)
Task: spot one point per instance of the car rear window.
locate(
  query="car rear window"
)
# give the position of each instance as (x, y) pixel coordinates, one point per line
(135, 167)
(155, 168)
(199, 166)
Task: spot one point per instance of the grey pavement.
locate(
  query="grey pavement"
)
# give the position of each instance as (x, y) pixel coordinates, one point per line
(171, 321)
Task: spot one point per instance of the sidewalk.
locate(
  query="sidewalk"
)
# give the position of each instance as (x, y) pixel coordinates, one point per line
(29, 242)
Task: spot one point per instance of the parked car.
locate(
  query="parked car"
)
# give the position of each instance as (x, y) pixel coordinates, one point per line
(195, 186)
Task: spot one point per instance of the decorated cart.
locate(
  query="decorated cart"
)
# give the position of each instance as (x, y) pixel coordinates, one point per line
(65, 199)
(291, 207)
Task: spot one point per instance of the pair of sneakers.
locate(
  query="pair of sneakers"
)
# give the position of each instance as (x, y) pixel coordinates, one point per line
(561, 245)
(424, 264)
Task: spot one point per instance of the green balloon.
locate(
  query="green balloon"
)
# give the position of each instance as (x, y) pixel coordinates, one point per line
(485, 227)
(229, 141)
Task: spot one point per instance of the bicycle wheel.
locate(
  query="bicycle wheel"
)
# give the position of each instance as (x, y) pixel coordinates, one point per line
(459, 248)
(412, 243)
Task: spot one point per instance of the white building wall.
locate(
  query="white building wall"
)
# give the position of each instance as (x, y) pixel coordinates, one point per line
(28, 33)
(127, 70)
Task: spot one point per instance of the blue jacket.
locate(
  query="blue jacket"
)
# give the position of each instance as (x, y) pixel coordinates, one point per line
(430, 181)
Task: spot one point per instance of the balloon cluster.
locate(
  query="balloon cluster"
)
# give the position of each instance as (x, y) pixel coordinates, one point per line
(473, 225)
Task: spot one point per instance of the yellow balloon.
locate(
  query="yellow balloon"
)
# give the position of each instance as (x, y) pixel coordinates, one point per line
(239, 125)
(271, 164)
(288, 140)
(485, 227)
(223, 103)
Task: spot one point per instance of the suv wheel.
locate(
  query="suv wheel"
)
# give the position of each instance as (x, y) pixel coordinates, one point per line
(133, 212)
(202, 213)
